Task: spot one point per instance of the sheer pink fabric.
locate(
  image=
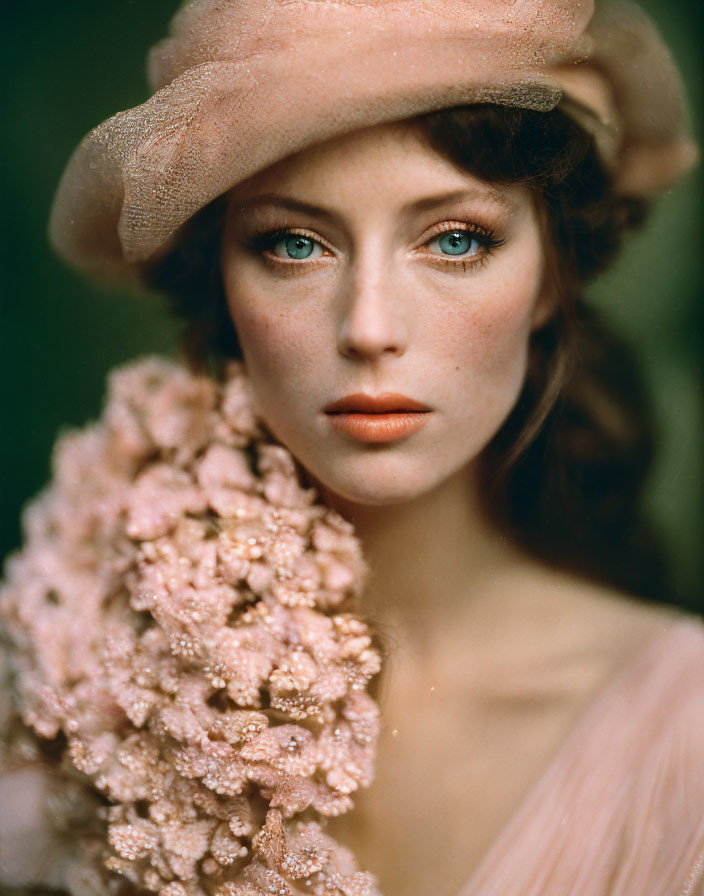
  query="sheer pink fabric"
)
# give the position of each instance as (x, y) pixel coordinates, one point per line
(620, 810)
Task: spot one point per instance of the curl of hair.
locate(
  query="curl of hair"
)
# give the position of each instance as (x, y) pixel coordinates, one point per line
(565, 473)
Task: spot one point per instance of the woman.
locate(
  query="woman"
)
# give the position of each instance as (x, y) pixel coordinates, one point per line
(403, 282)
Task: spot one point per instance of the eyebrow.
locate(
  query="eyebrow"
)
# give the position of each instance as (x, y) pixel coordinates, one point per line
(428, 203)
(431, 202)
(293, 205)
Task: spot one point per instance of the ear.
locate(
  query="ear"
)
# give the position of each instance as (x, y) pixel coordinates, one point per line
(543, 310)
(548, 298)
(546, 302)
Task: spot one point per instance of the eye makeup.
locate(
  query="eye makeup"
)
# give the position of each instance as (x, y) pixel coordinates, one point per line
(481, 239)
(481, 243)
(269, 240)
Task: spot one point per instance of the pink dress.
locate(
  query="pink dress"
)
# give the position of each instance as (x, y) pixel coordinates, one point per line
(620, 809)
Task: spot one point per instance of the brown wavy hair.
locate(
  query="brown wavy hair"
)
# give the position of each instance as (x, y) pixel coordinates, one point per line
(565, 473)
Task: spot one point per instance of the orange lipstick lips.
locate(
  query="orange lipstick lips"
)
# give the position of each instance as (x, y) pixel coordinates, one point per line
(376, 419)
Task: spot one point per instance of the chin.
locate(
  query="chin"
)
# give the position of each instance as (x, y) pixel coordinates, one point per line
(366, 497)
(380, 487)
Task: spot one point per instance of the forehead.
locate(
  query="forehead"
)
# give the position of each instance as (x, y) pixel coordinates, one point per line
(391, 163)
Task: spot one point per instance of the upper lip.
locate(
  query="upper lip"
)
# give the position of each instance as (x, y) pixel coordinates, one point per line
(386, 403)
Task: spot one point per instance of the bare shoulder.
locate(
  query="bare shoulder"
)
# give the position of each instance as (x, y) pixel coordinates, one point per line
(605, 621)
(588, 634)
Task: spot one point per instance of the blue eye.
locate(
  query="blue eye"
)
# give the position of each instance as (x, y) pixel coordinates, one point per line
(286, 244)
(457, 242)
(294, 245)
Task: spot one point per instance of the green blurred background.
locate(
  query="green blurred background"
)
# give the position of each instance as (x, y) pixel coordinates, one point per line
(71, 64)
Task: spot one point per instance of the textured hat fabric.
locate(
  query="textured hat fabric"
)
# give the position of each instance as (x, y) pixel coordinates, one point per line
(241, 85)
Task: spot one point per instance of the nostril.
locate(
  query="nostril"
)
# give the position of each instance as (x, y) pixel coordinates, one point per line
(371, 336)
(365, 349)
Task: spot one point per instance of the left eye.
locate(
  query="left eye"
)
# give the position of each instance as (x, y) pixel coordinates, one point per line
(455, 242)
(297, 246)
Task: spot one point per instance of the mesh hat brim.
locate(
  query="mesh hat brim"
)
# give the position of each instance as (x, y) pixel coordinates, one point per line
(240, 86)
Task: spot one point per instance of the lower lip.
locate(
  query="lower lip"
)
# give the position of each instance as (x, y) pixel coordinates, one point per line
(375, 428)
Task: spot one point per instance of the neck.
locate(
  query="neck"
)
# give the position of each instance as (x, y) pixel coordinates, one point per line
(434, 563)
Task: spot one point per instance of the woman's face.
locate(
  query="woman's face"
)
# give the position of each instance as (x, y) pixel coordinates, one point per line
(384, 301)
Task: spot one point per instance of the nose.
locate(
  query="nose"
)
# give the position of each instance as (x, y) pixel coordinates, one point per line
(374, 321)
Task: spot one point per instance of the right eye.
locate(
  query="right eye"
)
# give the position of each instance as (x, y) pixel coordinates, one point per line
(290, 245)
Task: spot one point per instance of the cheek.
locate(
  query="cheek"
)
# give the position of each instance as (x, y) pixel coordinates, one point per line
(268, 334)
(283, 352)
(259, 332)
(491, 338)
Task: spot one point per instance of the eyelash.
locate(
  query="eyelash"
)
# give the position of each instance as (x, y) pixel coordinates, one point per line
(261, 243)
(486, 239)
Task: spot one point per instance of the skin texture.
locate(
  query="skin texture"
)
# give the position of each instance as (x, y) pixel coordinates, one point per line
(381, 306)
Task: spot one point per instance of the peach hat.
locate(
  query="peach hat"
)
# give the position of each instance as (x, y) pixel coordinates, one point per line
(241, 84)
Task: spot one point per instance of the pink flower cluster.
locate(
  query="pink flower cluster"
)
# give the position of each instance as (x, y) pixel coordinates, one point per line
(181, 616)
